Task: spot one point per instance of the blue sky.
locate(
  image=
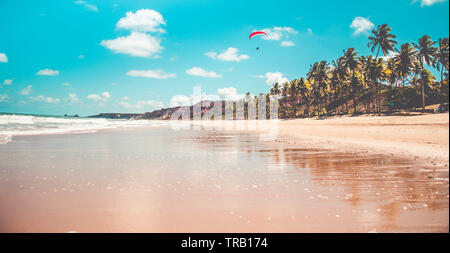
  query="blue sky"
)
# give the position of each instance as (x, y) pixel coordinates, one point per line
(86, 57)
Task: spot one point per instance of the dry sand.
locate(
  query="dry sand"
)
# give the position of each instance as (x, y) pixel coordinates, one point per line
(420, 137)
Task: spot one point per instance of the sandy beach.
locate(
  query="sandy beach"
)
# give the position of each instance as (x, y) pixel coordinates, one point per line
(418, 137)
(349, 174)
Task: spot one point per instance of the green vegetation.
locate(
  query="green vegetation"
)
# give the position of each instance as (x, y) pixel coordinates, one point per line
(370, 84)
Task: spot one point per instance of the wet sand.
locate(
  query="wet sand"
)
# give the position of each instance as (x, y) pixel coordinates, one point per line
(161, 180)
(424, 138)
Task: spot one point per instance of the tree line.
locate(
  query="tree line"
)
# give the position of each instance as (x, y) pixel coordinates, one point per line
(391, 79)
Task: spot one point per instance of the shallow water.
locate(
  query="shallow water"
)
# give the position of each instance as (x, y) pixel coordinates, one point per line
(23, 125)
(161, 180)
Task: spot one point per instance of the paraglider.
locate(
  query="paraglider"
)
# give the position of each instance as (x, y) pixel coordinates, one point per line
(255, 34)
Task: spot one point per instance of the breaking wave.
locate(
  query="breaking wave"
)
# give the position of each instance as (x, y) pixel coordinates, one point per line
(19, 125)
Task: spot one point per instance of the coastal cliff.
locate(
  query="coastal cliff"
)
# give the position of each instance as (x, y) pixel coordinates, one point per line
(161, 114)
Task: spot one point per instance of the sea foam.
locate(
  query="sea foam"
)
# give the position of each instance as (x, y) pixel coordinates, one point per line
(19, 125)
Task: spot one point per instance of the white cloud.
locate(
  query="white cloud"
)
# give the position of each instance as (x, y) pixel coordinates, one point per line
(310, 32)
(45, 99)
(81, 56)
(274, 77)
(389, 56)
(66, 84)
(87, 5)
(103, 97)
(73, 98)
(180, 100)
(125, 105)
(361, 25)
(287, 43)
(143, 105)
(428, 2)
(212, 55)
(157, 74)
(47, 72)
(196, 71)
(94, 97)
(229, 94)
(231, 54)
(26, 91)
(3, 97)
(8, 82)
(144, 20)
(106, 95)
(277, 33)
(3, 57)
(125, 98)
(136, 44)
(211, 97)
(226, 93)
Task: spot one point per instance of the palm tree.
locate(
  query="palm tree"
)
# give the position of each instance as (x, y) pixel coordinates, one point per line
(350, 61)
(363, 78)
(442, 56)
(293, 91)
(416, 71)
(321, 78)
(275, 89)
(334, 85)
(390, 72)
(426, 52)
(316, 97)
(351, 64)
(364, 65)
(374, 75)
(303, 90)
(339, 77)
(383, 39)
(284, 98)
(404, 61)
(427, 79)
(355, 87)
(311, 77)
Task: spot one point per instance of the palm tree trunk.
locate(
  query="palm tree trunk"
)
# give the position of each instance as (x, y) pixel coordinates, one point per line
(423, 95)
(423, 85)
(403, 95)
(307, 107)
(376, 98)
(379, 99)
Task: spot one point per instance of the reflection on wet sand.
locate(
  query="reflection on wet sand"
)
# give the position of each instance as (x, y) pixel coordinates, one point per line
(162, 180)
(392, 185)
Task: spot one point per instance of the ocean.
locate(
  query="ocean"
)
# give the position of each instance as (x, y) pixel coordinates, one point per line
(27, 124)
